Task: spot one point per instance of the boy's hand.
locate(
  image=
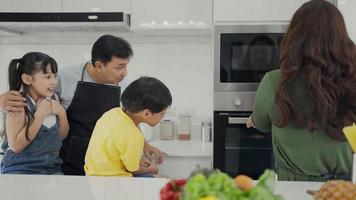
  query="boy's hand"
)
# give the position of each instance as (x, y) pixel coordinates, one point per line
(145, 162)
(153, 153)
(150, 169)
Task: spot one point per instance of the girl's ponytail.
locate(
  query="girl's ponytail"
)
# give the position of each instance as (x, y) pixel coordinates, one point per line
(15, 83)
(14, 74)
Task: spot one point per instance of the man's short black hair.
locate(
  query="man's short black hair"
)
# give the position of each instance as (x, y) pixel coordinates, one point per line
(146, 93)
(108, 46)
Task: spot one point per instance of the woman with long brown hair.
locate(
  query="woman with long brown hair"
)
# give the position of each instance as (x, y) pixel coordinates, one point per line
(311, 98)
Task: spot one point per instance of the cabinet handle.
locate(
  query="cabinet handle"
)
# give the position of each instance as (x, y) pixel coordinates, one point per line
(237, 120)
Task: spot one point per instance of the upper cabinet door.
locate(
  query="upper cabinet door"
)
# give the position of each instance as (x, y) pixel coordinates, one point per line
(255, 10)
(31, 6)
(97, 6)
(348, 8)
(171, 14)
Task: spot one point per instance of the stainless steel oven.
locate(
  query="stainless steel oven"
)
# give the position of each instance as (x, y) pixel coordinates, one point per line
(242, 56)
(240, 150)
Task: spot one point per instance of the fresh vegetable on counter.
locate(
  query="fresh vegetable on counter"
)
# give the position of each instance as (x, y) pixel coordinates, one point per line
(216, 185)
(172, 190)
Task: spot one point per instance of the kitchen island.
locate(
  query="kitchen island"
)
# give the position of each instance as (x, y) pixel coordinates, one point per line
(42, 187)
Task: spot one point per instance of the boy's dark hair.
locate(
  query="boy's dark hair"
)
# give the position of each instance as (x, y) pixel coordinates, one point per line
(146, 93)
(108, 46)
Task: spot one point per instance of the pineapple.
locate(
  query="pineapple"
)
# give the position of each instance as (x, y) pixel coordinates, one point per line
(335, 190)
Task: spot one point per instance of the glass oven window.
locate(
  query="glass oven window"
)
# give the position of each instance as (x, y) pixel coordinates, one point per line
(247, 151)
(247, 57)
(240, 150)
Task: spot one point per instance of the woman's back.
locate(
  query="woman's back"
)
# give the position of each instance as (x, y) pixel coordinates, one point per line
(308, 102)
(300, 154)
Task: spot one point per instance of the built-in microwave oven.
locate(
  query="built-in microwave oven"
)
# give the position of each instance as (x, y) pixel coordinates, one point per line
(242, 56)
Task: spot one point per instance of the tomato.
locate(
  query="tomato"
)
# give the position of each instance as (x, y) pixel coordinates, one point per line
(181, 182)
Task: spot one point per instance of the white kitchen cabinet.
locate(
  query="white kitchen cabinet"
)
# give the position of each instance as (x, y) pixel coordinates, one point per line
(97, 6)
(171, 14)
(182, 167)
(348, 10)
(31, 6)
(184, 157)
(255, 10)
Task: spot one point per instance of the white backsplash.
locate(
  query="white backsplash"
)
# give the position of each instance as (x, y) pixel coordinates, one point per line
(183, 63)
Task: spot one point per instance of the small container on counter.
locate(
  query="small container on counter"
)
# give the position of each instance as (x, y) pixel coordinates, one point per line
(206, 131)
(184, 127)
(166, 130)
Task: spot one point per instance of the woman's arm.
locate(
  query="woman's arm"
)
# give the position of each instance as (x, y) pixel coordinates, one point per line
(263, 104)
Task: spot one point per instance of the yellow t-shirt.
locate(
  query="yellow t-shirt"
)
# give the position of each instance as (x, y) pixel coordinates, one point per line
(115, 147)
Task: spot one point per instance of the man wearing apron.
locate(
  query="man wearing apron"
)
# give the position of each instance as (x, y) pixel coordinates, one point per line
(89, 90)
(90, 101)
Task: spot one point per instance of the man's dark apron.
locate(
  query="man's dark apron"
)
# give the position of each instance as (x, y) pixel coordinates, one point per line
(90, 102)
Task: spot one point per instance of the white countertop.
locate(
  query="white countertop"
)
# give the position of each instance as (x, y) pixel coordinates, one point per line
(190, 148)
(42, 187)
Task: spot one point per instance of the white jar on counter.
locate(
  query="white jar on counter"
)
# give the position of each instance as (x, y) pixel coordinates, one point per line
(166, 130)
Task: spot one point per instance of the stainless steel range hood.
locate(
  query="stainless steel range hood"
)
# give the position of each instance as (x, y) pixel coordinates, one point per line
(26, 22)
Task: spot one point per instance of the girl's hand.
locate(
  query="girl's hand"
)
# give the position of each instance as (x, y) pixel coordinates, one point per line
(43, 107)
(56, 107)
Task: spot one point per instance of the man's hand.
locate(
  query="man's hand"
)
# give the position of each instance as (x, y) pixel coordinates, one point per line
(153, 153)
(12, 101)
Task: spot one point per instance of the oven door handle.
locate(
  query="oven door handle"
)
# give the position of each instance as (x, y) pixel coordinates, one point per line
(237, 120)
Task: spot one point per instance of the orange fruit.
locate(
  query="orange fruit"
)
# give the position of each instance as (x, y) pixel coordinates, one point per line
(244, 182)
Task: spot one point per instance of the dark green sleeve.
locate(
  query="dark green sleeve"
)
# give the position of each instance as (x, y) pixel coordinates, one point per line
(263, 104)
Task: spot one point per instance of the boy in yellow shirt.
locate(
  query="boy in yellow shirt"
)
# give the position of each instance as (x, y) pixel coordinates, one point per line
(116, 145)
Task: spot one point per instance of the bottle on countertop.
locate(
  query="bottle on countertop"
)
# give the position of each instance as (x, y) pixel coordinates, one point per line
(206, 131)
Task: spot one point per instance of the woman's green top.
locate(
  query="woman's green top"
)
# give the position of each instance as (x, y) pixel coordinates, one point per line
(300, 155)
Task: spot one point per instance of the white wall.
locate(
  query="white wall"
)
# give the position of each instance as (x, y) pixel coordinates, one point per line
(182, 63)
(348, 10)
